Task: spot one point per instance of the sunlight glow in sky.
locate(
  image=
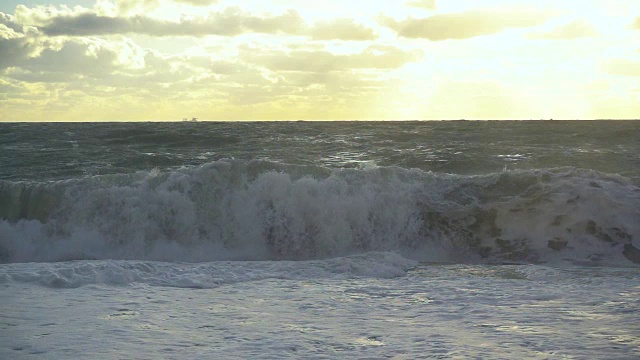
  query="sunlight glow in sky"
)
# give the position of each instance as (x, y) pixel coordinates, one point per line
(92, 60)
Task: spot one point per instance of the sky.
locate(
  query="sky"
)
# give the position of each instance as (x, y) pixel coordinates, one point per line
(156, 60)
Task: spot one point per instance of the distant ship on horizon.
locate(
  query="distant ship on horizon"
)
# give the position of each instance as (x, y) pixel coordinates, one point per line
(194, 119)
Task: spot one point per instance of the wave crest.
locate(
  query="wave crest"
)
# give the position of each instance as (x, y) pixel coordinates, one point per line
(230, 210)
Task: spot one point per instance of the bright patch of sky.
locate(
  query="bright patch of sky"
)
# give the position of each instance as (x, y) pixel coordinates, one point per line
(332, 59)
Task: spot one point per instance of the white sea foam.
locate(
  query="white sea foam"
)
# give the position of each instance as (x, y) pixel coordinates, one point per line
(231, 209)
(317, 309)
(74, 274)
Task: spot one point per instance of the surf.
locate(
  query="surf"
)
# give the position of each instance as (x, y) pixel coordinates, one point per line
(261, 210)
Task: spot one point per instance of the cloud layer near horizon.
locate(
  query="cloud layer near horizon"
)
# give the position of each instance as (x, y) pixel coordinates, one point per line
(467, 24)
(151, 59)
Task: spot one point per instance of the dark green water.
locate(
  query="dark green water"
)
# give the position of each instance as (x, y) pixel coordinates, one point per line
(55, 151)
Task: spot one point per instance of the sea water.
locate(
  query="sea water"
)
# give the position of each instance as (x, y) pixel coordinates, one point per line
(320, 240)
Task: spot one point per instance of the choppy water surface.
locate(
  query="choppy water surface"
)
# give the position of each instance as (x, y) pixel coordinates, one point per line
(338, 240)
(58, 151)
(534, 192)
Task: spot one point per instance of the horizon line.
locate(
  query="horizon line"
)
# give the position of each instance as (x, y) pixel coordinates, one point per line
(311, 120)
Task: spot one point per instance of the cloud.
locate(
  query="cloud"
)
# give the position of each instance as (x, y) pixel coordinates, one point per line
(574, 30)
(229, 22)
(636, 24)
(73, 57)
(320, 61)
(7, 87)
(96, 67)
(13, 47)
(623, 67)
(253, 83)
(90, 61)
(9, 21)
(427, 4)
(20, 43)
(90, 57)
(343, 29)
(40, 15)
(129, 6)
(198, 2)
(466, 24)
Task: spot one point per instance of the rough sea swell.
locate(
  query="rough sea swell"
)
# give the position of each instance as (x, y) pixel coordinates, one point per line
(261, 210)
(415, 239)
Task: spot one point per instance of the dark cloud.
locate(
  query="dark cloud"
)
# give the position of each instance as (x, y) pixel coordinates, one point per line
(466, 24)
(13, 50)
(89, 24)
(68, 61)
(16, 46)
(229, 22)
(9, 21)
(72, 58)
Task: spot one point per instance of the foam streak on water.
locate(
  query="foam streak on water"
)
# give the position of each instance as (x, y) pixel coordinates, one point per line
(316, 309)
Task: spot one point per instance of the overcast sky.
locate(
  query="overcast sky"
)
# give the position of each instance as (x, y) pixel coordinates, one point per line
(331, 59)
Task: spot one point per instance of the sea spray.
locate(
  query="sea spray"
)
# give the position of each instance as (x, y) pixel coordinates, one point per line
(257, 210)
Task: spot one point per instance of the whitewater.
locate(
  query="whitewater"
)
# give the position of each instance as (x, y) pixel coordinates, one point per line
(492, 239)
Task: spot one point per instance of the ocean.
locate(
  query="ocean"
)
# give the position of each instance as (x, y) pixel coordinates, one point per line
(404, 240)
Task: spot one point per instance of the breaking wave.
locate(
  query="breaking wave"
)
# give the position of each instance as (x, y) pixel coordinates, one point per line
(258, 210)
